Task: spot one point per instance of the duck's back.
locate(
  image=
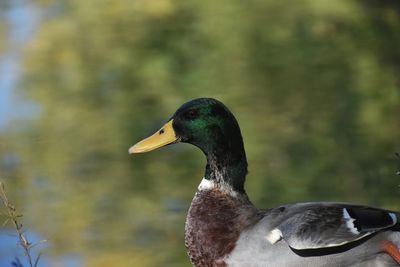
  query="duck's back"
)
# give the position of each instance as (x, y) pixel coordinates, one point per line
(254, 250)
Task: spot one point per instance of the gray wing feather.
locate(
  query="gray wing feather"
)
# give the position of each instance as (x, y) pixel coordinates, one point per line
(322, 226)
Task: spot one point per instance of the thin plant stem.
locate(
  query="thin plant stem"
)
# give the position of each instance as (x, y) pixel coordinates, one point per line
(13, 216)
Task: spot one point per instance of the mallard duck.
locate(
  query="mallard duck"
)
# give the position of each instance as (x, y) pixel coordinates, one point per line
(223, 228)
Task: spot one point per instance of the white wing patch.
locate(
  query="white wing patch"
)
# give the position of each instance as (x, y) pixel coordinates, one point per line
(394, 217)
(350, 222)
(274, 236)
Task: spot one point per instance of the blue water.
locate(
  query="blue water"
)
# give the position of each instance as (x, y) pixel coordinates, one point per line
(10, 249)
(23, 20)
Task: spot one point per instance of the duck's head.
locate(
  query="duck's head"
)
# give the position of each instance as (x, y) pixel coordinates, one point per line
(209, 125)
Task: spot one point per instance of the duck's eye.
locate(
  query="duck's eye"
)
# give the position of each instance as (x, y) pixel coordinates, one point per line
(191, 114)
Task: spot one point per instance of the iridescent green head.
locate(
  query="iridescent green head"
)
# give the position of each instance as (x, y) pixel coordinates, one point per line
(209, 125)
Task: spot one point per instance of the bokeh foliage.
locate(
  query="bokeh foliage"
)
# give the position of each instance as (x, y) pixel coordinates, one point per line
(314, 85)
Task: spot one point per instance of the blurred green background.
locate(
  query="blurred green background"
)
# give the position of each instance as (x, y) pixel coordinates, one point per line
(315, 86)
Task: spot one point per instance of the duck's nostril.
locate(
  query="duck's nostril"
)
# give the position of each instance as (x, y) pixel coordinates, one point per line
(161, 131)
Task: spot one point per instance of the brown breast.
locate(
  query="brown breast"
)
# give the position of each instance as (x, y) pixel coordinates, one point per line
(214, 223)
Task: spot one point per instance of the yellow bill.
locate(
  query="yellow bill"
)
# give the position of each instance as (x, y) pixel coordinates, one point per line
(164, 136)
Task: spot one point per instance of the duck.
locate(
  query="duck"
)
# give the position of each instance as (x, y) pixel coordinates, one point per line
(224, 229)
